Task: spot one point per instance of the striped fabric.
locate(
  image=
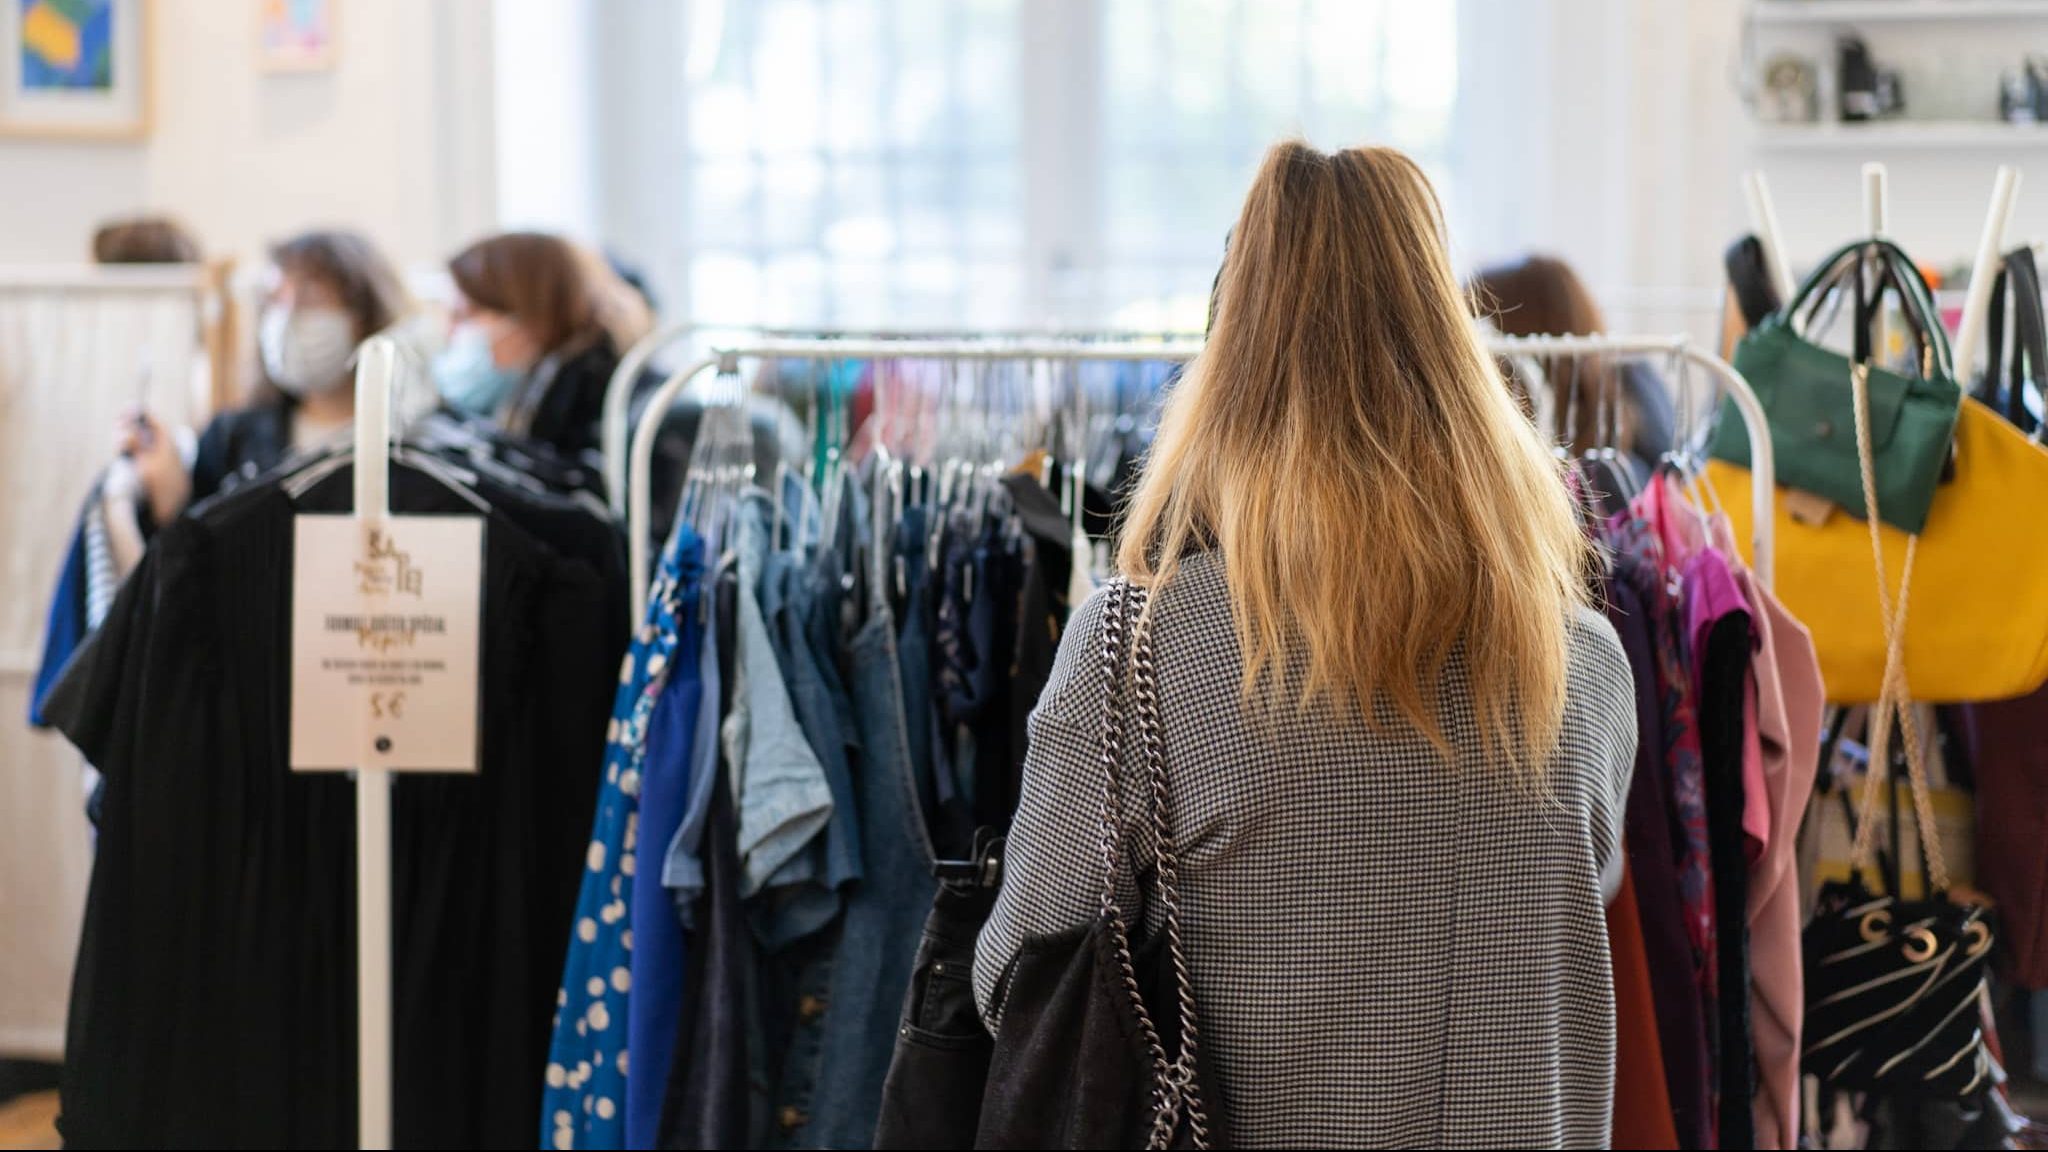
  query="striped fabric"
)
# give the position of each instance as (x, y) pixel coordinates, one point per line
(1387, 951)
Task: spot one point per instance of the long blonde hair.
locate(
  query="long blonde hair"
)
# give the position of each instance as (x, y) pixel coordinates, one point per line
(1380, 502)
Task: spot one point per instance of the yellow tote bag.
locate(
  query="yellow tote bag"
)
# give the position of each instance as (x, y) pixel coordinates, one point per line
(1977, 620)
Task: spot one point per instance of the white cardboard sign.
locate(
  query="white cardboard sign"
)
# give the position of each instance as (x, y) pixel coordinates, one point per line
(387, 621)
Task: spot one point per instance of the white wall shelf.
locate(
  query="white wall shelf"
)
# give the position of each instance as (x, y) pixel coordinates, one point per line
(1903, 134)
(1870, 11)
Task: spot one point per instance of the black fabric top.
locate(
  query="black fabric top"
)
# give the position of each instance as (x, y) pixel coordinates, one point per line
(571, 407)
(213, 1002)
(241, 442)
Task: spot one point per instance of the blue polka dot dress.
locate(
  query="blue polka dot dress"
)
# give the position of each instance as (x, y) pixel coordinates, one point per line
(584, 1102)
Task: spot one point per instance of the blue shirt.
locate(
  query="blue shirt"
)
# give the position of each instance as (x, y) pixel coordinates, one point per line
(656, 998)
(584, 1102)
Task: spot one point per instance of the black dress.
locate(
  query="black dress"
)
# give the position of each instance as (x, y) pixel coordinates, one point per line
(213, 1000)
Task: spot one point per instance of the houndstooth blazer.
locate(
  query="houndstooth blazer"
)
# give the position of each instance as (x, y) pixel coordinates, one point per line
(1388, 951)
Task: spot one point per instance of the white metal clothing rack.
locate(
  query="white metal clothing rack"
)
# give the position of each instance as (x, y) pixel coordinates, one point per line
(2005, 187)
(641, 456)
(639, 470)
(1763, 461)
(375, 369)
(618, 393)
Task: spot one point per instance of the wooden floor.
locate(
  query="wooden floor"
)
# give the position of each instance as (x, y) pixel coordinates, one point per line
(30, 1122)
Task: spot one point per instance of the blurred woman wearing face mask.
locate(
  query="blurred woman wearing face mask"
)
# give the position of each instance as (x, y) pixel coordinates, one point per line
(332, 291)
(539, 325)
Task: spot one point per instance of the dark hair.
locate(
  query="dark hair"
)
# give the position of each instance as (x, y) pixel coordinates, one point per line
(537, 279)
(369, 287)
(144, 240)
(1542, 296)
(1537, 296)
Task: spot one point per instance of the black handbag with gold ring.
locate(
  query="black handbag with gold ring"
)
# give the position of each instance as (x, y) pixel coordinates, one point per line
(1895, 987)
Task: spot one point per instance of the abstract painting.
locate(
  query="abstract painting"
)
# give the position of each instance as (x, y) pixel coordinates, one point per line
(295, 35)
(76, 69)
(67, 45)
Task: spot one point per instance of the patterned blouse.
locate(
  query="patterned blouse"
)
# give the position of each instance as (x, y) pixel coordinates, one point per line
(584, 1103)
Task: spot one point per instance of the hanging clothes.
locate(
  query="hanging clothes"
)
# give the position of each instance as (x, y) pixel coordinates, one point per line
(585, 1104)
(1686, 1049)
(1789, 702)
(1653, 859)
(1642, 1100)
(869, 654)
(213, 1000)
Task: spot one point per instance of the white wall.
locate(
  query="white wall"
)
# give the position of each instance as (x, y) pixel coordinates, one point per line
(396, 139)
(546, 93)
(1632, 169)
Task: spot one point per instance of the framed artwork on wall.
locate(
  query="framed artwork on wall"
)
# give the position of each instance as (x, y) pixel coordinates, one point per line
(75, 69)
(295, 35)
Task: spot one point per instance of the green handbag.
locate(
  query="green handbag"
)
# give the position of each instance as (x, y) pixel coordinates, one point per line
(1805, 392)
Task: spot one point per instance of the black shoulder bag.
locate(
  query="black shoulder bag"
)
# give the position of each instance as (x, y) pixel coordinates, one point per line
(1098, 1044)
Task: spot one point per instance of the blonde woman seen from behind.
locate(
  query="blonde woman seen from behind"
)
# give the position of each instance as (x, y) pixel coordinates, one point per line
(1397, 740)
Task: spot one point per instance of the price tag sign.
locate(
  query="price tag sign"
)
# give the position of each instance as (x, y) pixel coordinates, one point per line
(386, 626)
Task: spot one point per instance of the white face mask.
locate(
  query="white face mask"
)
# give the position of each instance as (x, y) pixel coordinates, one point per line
(306, 350)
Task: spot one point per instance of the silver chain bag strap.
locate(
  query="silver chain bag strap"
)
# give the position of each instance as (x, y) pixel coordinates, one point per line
(1176, 1095)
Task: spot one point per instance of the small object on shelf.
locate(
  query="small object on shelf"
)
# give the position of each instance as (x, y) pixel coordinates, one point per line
(1791, 92)
(1867, 91)
(2023, 92)
(2016, 97)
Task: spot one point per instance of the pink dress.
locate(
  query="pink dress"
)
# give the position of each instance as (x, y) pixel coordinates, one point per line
(1789, 703)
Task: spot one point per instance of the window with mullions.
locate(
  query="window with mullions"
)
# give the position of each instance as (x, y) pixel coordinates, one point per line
(855, 163)
(1196, 90)
(998, 163)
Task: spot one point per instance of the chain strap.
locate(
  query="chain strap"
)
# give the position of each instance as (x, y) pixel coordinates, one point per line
(1115, 620)
(1895, 694)
(1174, 1093)
(1145, 691)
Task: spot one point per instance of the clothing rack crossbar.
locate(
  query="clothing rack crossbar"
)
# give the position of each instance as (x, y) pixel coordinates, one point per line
(641, 452)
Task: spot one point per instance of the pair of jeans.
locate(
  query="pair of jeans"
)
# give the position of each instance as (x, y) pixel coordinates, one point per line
(878, 939)
(908, 577)
(922, 662)
(932, 1098)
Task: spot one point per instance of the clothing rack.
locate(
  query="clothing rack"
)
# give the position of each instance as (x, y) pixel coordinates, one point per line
(1762, 461)
(618, 393)
(640, 459)
(376, 369)
(2005, 187)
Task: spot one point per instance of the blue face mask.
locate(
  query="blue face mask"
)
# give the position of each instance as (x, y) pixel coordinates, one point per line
(468, 379)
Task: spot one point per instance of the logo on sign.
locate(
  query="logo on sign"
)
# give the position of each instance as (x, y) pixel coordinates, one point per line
(389, 570)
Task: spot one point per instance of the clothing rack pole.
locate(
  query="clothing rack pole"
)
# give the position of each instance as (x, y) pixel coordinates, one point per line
(640, 462)
(1875, 220)
(618, 393)
(618, 399)
(639, 472)
(375, 369)
(2005, 189)
(1763, 219)
(1763, 464)
(641, 455)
